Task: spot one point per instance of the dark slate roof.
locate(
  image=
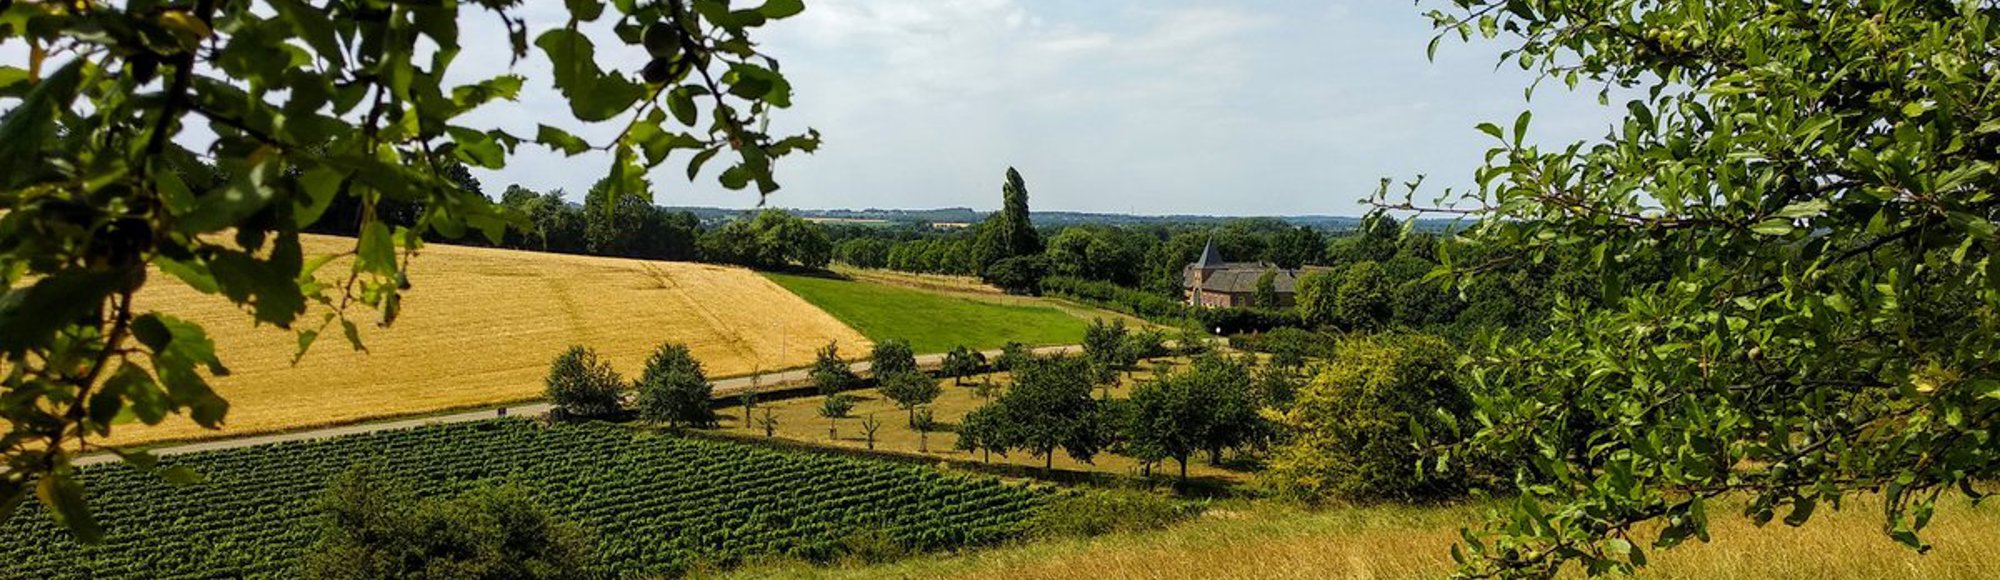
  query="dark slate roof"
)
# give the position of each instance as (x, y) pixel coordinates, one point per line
(1241, 277)
(1209, 257)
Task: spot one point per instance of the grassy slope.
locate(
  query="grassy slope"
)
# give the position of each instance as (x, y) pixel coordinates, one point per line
(1264, 540)
(934, 322)
(479, 326)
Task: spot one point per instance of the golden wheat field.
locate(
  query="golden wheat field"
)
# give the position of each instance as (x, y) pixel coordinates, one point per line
(480, 325)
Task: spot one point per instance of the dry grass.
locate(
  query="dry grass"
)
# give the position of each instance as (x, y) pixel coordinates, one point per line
(799, 420)
(937, 282)
(479, 327)
(1266, 540)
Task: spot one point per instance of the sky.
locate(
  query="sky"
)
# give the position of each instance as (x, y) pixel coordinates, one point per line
(1265, 107)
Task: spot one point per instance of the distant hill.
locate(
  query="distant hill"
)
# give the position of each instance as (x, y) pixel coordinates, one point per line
(965, 215)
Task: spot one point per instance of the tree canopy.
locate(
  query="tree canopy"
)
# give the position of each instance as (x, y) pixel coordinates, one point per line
(1792, 235)
(309, 105)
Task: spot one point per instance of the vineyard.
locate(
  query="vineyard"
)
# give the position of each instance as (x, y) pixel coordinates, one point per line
(657, 504)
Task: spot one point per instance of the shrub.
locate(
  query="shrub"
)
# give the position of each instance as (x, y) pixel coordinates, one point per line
(1105, 511)
(376, 529)
(891, 357)
(583, 386)
(1349, 428)
(1017, 275)
(674, 390)
(962, 362)
(830, 373)
(1140, 303)
(1012, 356)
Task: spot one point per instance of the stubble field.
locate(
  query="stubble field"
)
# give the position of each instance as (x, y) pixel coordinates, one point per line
(479, 327)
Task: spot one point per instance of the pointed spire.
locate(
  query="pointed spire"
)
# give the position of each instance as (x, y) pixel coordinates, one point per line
(1210, 259)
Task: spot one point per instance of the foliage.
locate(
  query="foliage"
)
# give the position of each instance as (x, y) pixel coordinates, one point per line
(1358, 430)
(675, 391)
(1108, 511)
(1207, 407)
(773, 238)
(659, 505)
(196, 139)
(1104, 343)
(1265, 293)
(1316, 297)
(1361, 300)
(1017, 275)
(831, 373)
(837, 406)
(1289, 348)
(582, 385)
(1008, 234)
(910, 389)
(1812, 186)
(962, 362)
(375, 529)
(1143, 304)
(1013, 355)
(983, 430)
(1047, 408)
(892, 356)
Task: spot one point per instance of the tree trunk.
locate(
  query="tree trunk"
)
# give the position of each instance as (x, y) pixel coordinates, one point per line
(1215, 456)
(1183, 461)
(832, 433)
(924, 441)
(1049, 462)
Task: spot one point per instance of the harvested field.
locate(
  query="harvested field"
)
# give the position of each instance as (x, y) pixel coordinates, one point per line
(479, 327)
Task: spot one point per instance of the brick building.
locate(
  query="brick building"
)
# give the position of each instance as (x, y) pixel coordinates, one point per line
(1213, 283)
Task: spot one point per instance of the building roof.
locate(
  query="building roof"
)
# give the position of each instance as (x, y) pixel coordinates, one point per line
(1209, 257)
(1241, 277)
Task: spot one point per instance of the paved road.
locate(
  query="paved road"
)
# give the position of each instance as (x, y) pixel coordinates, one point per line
(724, 388)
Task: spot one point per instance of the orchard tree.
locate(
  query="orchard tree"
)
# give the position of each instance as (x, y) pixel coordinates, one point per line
(675, 391)
(830, 373)
(910, 389)
(835, 407)
(892, 356)
(1103, 342)
(1049, 408)
(582, 385)
(289, 108)
(962, 362)
(1815, 182)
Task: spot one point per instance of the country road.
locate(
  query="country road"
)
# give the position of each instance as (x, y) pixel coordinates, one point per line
(724, 388)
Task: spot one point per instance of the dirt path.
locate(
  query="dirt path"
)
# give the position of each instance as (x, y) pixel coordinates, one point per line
(724, 388)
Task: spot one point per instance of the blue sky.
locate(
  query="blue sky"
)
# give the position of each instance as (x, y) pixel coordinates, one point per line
(1163, 106)
(1184, 106)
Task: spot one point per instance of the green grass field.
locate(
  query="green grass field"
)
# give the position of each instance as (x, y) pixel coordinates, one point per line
(934, 322)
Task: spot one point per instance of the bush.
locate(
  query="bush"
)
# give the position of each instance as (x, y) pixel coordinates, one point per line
(962, 362)
(892, 356)
(1012, 356)
(830, 373)
(1140, 303)
(1099, 512)
(582, 386)
(1236, 320)
(375, 529)
(1349, 428)
(1017, 275)
(674, 390)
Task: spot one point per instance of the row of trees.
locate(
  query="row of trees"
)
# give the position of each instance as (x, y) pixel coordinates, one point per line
(673, 389)
(632, 227)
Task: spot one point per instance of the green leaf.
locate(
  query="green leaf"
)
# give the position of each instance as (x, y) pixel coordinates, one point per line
(1804, 209)
(593, 95)
(775, 9)
(1491, 129)
(32, 123)
(1521, 127)
(585, 10)
(560, 140)
(1773, 227)
(376, 251)
(29, 317)
(60, 491)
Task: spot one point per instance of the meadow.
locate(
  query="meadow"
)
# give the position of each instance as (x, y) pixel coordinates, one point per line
(935, 322)
(479, 327)
(656, 505)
